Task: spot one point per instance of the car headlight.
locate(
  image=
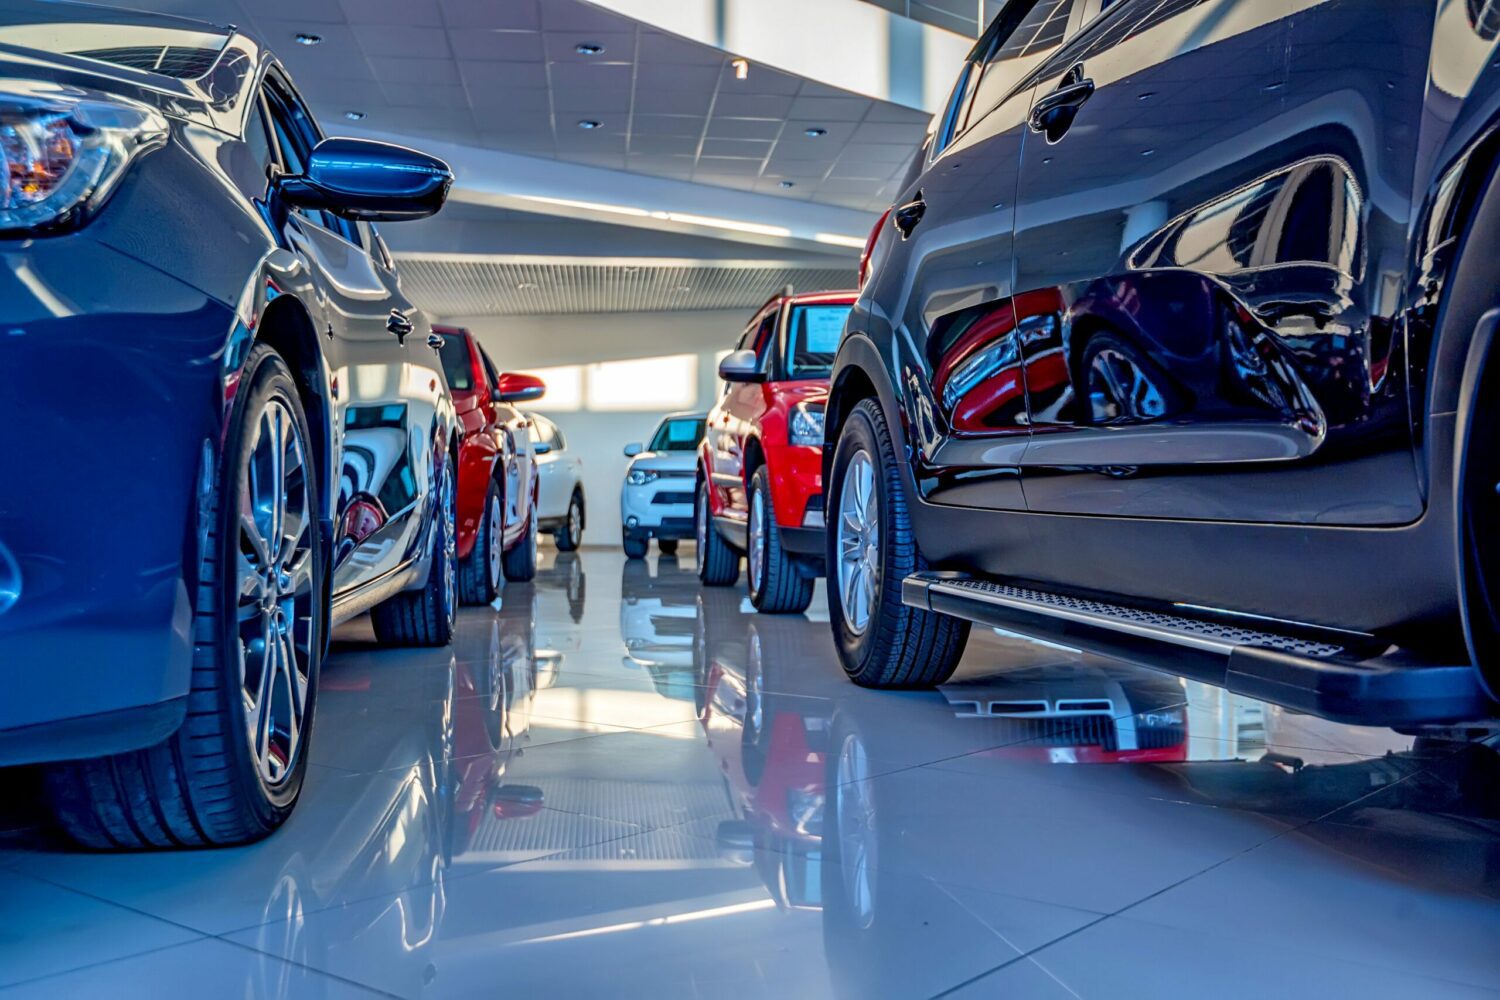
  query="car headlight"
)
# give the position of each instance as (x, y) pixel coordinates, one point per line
(63, 150)
(640, 477)
(807, 426)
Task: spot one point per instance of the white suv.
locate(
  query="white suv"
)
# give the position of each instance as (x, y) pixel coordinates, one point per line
(559, 505)
(656, 500)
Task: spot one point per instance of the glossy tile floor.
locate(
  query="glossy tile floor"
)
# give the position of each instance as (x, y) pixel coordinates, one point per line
(620, 784)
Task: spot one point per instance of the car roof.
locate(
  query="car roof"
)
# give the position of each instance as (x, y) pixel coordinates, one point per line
(686, 415)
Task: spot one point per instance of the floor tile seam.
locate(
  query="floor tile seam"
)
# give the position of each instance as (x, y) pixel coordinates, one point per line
(33, 980)
(323, 973)
(1026, 957)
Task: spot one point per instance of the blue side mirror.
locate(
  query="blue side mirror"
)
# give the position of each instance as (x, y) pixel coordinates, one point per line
(373, 181)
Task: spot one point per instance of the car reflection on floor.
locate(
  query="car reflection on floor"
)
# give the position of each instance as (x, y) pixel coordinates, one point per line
(653, 791)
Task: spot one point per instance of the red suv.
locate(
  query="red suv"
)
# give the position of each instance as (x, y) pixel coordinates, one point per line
(760, 476)
(497, 479)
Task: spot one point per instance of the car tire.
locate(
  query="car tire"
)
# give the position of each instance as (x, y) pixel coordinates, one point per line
(425, 617)
(569, 535)
(635, 548)
(718, 562)
(667, 546)
(210, 783)
(778, 584)
(519, 562)
(479, 575)
(882, 643)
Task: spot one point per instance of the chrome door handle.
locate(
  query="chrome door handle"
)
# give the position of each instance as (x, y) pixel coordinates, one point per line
(399, 324)
(906, 217)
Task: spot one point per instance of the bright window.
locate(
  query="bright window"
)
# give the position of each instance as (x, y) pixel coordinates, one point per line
(564, 388)
(664, 383)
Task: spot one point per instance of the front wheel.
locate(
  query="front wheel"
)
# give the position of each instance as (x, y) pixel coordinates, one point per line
(635, 548)
(425, 617)
(777, 583)
(718, 563)
(479, 575)
(520, 562)
(871, 550)
(568, 537)
(233, 771)
(668, 546)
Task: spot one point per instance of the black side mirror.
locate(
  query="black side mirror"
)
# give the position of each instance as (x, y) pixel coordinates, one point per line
(741, 366)
(373, 181)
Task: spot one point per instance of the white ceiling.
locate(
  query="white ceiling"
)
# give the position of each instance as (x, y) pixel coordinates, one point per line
(509, 285)
(504, 75)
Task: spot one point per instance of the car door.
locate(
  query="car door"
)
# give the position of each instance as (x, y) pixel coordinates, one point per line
(520, 463)
(948, 276)
(552, 470)
(1192, 245)
(381, 489)
(737, 417)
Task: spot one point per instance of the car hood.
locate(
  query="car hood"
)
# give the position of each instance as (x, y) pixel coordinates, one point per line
(666, 461)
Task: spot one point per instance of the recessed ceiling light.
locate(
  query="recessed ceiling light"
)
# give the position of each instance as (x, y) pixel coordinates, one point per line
(682, 289)
(354, 116)
(588, 48)
(741, 68)
(815, 133)
(527, 286)
(788, 184)
(588, 124)
(307, 38)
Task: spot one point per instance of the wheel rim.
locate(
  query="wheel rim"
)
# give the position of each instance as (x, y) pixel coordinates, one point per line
(1119, 389)
(858, 543)
(757, 539)
(856, 817)
(700, 530)
(575, 522)
(450, 547)
(496, 530)
(275, 593)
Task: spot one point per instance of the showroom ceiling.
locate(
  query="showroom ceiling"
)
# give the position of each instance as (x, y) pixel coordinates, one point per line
(500, 285)
(508, 75)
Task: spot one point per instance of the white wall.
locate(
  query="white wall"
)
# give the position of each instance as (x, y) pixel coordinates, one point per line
(520, 343)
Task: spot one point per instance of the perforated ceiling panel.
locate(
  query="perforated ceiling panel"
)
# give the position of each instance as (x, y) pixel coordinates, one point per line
(465, 285)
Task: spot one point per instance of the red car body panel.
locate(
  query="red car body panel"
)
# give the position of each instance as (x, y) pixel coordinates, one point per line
(753, 418)
(496, 436)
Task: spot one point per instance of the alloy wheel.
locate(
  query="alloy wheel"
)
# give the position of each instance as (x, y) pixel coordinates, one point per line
(858, 537)
(496, 529)
(275, 592)
(575, 521)
(700, 530)
(757, 540)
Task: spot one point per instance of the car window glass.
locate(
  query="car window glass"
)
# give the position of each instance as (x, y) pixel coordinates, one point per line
(678, 434)
(559, 441)
(455, 355)
(544, 432)
(764, 332)
(813, 335)
(489, 367)
(296, 135)
(954, 111)
(1040, 31)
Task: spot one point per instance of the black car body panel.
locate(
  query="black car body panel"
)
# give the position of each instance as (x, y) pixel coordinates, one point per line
(1199, 336)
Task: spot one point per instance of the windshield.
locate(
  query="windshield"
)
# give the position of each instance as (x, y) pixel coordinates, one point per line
(813, 336)
(169, 47)
(680, 434)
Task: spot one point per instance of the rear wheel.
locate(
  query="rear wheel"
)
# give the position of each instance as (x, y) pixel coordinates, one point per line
(871, 550)
(635, 548)
(668, 546)
(425, 617)
(234, 770)
(569, 536)
(778, 584)
(520, 562)
(718, 563)
(479, 575)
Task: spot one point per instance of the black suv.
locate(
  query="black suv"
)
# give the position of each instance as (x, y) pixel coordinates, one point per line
(1174, 348)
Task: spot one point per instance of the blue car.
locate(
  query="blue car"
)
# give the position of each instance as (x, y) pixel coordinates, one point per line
(223, 428)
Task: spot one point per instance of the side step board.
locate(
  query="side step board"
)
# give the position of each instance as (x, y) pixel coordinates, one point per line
(1319, 678)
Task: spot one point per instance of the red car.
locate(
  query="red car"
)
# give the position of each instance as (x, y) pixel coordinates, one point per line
(497, 478)
(760, 477)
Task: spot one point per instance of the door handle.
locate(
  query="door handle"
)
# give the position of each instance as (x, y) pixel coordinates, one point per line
(1053, 114)
(906, 217)
(435, 341)
(399, 324)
